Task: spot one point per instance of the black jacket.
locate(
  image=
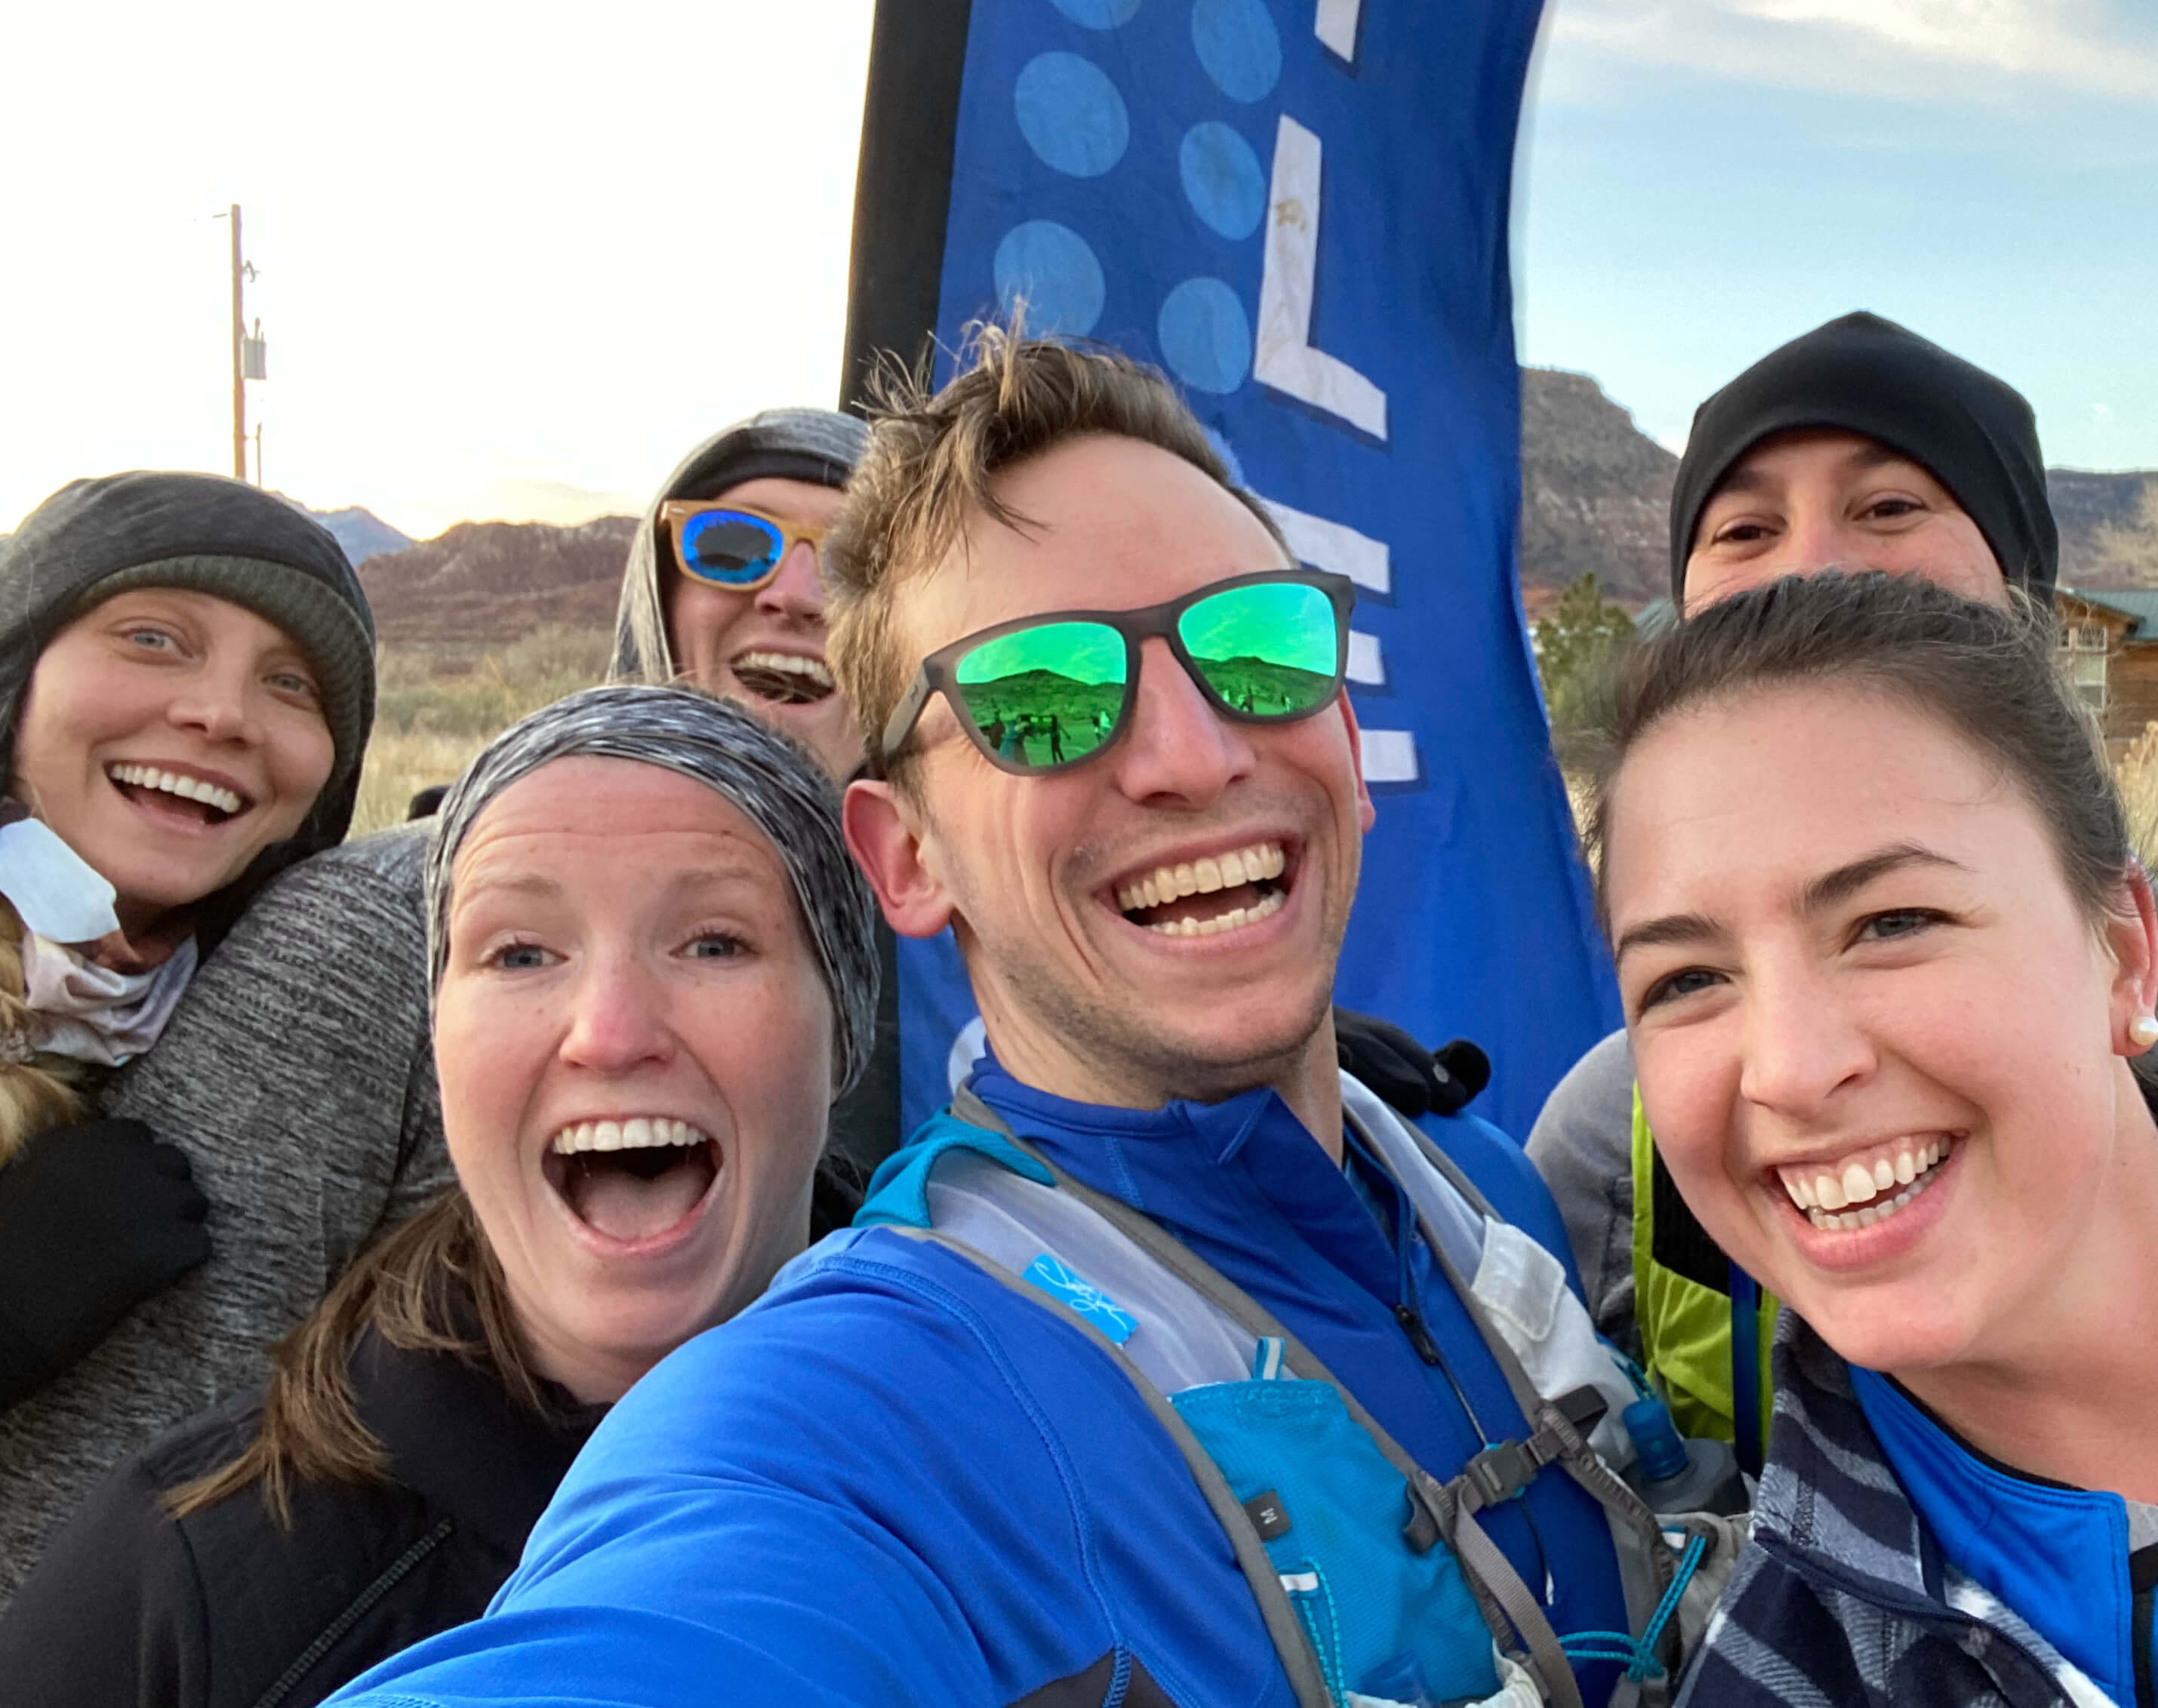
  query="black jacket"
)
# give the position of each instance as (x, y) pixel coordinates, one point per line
(222, 1609)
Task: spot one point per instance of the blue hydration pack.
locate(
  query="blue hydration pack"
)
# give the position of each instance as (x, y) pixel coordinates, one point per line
(1377, 1584)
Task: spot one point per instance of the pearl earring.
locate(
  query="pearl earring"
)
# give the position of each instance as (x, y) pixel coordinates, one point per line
(2143, 1031)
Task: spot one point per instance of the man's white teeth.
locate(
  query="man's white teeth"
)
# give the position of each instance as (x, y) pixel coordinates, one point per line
(1266, 905)
(1822, 1194)
(788, 664)
(187, 788)
(1166, 884)
(639, 1132)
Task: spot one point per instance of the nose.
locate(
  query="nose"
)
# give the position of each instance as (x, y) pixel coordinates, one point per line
(619, 1017)
(1803, 1046)
(1179, 750)
(219, 703)
(797, 591)
(1815, 538)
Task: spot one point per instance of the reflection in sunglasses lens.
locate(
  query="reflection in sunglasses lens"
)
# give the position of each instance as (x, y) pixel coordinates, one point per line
(727, 547)
(1269, 649)
(1047, 695)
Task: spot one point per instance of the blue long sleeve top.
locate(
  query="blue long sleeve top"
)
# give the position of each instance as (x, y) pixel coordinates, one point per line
(893, 1479)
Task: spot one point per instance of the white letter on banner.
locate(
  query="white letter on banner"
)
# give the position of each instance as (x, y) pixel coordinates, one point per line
(1390, 757)
(1284, 358)
(1335, 546)
(1336, 26)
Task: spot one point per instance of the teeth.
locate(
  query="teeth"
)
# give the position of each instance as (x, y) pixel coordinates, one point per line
(187, 788)
(1861, 1181)
(1909, 1169)
(1264, 907)
(1167, 884)
(792, 664)
(638, 1133)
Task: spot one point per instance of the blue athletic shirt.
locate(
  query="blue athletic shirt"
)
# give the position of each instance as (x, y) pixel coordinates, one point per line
(2079, 1566)
(893, 1479)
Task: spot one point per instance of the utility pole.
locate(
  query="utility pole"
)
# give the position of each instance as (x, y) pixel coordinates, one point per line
(239, 378)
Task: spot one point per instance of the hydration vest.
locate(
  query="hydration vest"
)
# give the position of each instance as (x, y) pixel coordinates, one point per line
(1374, 1580)
(1706, 1326)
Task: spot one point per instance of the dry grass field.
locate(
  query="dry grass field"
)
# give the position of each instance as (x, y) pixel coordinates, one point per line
(437, 707)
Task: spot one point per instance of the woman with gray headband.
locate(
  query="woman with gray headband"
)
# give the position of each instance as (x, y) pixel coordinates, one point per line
(653, 967)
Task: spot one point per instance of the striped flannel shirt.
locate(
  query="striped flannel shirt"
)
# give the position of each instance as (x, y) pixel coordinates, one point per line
(1842, 1598)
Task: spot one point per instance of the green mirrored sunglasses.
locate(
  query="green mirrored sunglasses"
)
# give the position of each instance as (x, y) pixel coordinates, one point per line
(1053, 690)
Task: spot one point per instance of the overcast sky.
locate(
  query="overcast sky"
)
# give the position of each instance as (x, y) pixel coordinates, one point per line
(514, 261)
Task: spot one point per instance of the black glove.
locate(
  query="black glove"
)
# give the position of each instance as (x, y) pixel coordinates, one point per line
(93, 1220)
(1411, 1079)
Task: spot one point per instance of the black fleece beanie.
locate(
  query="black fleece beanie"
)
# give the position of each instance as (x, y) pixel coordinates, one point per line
(1862, 374)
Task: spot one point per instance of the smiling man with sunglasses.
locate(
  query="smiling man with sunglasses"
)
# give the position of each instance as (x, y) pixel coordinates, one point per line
(1167, 1364)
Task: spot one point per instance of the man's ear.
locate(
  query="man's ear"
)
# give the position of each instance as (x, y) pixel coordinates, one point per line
(1366, 813)
(885, 831)
(2132, 937)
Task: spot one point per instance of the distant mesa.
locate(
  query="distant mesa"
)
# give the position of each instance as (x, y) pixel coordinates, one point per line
(490, 583)
(362, 533)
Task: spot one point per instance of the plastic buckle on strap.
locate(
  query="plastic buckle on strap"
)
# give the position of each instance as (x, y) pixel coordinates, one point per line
(1501, 1472)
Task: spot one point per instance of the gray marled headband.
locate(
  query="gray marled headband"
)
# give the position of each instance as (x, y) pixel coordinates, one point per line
(773, 783)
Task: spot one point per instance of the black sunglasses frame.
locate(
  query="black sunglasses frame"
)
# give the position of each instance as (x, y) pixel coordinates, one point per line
(1146, 623)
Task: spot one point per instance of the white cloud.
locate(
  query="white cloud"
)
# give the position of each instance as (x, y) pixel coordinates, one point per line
(1921, 50)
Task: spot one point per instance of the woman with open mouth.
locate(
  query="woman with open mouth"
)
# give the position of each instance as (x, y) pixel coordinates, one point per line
(654, 969)
(1888, 963)
(187, 682)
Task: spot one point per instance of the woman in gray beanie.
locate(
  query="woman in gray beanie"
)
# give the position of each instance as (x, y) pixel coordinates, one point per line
(653, 965)
(186, 686)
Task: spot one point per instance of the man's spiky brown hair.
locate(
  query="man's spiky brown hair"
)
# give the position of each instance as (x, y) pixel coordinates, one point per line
(934, 461)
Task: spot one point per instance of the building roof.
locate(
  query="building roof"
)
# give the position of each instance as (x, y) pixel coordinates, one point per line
(2139, 605)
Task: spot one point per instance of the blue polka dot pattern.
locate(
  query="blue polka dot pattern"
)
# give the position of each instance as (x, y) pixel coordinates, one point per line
(1222, 180)
(1070, 114)
(1205, 336)
(1238, 44)
(1050, 266)
(1098, 14)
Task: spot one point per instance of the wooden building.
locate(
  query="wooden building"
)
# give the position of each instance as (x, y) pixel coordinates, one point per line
(2108, 645)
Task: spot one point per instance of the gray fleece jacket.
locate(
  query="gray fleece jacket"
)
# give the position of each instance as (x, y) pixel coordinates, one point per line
(298, 1078)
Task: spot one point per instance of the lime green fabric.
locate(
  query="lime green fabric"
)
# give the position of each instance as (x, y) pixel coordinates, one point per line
(1686, 1327)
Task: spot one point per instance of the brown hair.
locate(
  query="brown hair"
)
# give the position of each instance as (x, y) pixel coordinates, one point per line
(1985, 672)
(933, 460)
(417, 1288)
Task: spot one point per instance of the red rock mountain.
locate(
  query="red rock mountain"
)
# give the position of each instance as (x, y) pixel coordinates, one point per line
(489, 582)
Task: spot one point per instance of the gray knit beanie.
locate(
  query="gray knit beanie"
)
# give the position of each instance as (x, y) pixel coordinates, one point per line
(778, 786)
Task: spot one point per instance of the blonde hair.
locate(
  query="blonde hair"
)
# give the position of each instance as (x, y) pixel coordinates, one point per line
(38, 1089)
(934, 459)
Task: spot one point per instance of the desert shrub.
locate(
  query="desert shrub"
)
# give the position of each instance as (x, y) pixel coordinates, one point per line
(437, 707)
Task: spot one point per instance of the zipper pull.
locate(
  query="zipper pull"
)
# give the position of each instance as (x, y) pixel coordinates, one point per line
(1419, 1336)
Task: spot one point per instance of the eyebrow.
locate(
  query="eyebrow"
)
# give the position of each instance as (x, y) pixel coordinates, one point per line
(1817, 895)
(1825, 891)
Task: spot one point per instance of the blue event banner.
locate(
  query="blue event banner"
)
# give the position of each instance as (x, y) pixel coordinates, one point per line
(1299, 209)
